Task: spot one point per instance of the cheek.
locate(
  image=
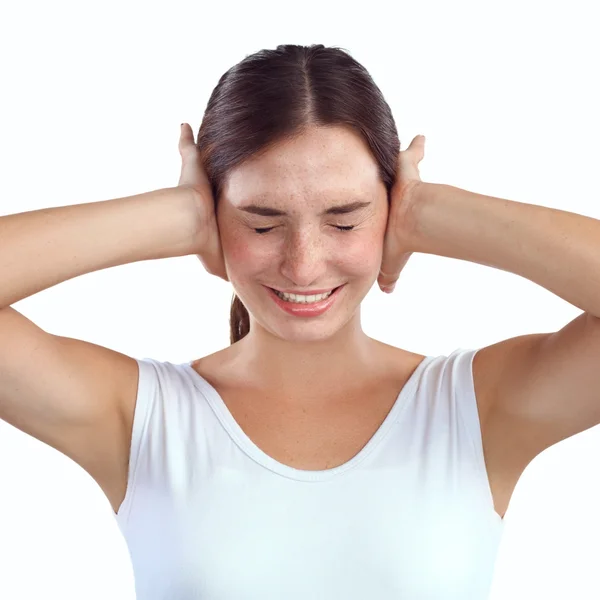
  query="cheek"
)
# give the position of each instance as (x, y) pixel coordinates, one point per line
(243, 255)
(363, 255)
(359, 253)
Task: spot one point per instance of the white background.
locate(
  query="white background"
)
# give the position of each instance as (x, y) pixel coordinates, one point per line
(93, 95)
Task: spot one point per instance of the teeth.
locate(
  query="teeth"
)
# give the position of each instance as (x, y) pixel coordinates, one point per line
(303, 299)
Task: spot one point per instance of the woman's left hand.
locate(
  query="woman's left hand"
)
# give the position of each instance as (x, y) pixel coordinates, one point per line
(395, 249)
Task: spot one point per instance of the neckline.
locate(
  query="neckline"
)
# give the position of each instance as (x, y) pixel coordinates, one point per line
(253, 451)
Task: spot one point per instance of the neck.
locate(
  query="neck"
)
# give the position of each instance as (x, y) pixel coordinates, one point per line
(306, 369)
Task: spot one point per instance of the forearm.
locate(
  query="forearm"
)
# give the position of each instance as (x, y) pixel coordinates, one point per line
(556, 249)
(41, 248)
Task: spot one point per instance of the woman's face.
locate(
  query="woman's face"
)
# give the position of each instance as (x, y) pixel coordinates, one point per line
(304, 249)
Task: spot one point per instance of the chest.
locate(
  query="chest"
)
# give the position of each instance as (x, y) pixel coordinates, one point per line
(337, 539)
(323, 434)
(314, 435)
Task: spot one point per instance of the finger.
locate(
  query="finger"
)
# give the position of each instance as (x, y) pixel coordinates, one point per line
(389, 274)
(186, 138)
(418, 140)
(387, 270)
(188, 152)
(417, 146)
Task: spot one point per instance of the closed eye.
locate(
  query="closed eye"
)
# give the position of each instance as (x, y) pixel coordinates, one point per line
(262, 230)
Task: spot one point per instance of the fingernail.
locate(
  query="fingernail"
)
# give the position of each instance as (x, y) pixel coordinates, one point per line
(389, 289)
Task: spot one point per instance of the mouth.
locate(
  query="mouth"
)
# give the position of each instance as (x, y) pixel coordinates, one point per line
(330, 291)
(306, 309)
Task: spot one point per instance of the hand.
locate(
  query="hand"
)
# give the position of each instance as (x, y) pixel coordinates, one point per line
(193, 176)
(395, 248)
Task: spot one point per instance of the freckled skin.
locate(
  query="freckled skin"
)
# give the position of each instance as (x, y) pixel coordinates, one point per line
(326, 166)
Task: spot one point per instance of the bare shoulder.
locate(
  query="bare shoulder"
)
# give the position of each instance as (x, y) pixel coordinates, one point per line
(487, 365)
(68, 393)
(398, 363)
(127, 370)
(493, 363)
(399, 355)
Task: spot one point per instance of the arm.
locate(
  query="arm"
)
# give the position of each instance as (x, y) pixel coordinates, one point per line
(556, 249)
(544, 388)
(71, 394)
(41, 248)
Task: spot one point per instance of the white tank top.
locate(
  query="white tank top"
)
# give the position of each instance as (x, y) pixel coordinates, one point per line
(208, 515)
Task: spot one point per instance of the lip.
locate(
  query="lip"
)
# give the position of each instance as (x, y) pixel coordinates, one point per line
(313, 309)
(309, 293)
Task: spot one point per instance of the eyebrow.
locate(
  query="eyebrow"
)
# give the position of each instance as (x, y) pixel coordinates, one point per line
(341, 209)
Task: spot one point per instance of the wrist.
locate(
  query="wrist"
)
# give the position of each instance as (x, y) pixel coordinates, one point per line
(184, 201)
(414, 198)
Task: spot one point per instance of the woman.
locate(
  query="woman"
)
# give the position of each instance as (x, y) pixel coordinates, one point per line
(305, 460)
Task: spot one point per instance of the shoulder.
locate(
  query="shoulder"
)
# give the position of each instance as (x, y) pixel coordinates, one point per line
(397, 363)
(493, 363)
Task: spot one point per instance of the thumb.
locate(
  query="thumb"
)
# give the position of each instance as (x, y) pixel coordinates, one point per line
(186, 138)
(188, 153)
(417, 140)
(417, 146)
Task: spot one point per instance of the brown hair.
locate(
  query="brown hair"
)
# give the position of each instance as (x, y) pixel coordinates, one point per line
(274, 95)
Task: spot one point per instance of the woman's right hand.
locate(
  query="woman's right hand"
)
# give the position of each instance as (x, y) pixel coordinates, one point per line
(193, 176)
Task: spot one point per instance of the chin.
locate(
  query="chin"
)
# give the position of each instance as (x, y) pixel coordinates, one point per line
(304, 337)
(298, 330)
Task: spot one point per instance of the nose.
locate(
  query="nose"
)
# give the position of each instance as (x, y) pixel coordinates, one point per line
(304, 259)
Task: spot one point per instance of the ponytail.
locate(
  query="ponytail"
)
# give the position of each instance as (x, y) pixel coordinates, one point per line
(239, 320)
